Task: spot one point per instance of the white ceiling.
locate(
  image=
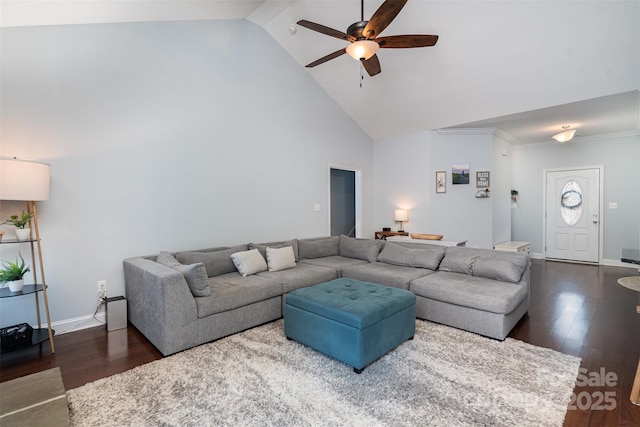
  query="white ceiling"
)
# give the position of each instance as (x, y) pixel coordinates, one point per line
(525, 67)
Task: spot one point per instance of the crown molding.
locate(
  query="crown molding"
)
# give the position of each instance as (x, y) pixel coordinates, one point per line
(477, 131)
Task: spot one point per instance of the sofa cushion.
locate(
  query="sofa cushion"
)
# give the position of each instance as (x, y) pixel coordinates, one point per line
(336, 262)
(319, 248)
(460, 260)
(280, 258)
(411, 257)
(249, 262)
(504, 266)
(301, 276)
(231, 290)
(216, 262)
(470, 291)
(262, 247)
(396, 276)
(365, 249)
(195, 274)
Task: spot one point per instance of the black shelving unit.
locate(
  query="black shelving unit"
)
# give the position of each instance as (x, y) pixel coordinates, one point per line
(40, 335)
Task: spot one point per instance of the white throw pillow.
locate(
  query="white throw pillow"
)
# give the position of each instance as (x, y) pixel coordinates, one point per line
(280, 258)
(249, 262)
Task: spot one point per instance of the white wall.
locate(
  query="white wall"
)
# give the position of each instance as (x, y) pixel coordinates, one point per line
(165, 136)
(405, 178)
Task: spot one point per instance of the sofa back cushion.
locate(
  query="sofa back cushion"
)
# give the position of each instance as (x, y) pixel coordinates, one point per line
(195, 274)
(262, 247)
(459, 260)
(319, 248)
(411, 257)
(216, 262)
(365, 249)
(504, 266)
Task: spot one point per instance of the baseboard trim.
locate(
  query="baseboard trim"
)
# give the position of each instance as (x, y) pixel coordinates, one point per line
(78, 323)
(607, 262)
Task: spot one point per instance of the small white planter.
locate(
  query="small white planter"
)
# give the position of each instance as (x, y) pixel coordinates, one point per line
(23, 233)
(16, 285)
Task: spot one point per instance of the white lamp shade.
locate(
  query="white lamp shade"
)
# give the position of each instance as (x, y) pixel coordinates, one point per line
(401, 215)
(362, 49)
(565, 136)
(24, 180)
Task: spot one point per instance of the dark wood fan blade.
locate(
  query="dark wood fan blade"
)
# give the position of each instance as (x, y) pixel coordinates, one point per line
(372, 65)
(326, 30)
(327, 58)
(409, 40)
(383, 17)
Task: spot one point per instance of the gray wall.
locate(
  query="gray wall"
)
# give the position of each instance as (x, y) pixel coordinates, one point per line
(405, 178)
(410, 184)
(165, 136)
(620, 157)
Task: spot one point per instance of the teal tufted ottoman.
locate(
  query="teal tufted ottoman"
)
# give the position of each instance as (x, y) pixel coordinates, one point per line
(352, 321)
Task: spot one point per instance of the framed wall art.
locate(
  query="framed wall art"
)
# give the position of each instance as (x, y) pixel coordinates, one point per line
(460, 173)
(482, 179)
(441, 182)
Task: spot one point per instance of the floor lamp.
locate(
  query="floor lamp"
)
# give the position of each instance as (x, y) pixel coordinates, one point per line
(28, 181)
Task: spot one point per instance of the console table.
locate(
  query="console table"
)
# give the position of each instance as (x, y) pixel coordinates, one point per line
(460, 243)
(382, 235)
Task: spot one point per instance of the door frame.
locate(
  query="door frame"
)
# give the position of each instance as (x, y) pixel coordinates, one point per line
(600, 208)
(358, 196)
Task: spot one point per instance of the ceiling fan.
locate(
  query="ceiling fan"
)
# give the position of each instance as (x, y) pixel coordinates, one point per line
(364, 39)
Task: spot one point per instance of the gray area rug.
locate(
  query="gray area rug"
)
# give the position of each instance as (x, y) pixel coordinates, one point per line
(444, 377)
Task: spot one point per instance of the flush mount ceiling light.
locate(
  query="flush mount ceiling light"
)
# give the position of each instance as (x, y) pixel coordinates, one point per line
(566, 135)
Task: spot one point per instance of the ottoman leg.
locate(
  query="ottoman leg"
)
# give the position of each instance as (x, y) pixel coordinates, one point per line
(358, 371)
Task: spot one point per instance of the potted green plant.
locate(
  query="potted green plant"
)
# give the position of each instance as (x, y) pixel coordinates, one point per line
(13, 273)
(21, 221)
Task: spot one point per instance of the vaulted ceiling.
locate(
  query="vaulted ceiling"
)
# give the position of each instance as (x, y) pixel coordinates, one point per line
(526, 67)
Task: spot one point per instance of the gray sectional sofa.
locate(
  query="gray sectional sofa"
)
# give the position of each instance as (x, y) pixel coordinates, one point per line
(184, 299)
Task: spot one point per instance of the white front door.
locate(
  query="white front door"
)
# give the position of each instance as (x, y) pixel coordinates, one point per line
(573, 215)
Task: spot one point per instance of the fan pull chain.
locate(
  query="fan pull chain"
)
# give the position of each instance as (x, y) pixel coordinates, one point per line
(361, 74)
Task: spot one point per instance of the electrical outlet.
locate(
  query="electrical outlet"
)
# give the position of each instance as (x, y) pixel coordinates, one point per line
(102, 289)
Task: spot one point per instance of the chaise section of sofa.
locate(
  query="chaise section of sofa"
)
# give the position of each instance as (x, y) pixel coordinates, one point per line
(477, 290)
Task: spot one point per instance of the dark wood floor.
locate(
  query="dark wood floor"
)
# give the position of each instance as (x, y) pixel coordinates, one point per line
(575, 309)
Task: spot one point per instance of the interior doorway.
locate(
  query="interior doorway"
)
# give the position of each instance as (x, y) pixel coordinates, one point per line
(572, 214)
(344, 202)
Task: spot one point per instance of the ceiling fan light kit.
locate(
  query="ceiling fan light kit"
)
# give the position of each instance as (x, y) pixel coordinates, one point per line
(362, 50)
(364, 37)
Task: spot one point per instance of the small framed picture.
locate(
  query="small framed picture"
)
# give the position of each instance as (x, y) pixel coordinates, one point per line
(441, 182)
(460, 173)
(482, 179)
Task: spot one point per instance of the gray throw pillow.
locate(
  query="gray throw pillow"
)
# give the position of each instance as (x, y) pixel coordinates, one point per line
(216, 262)
(168, 260)
(507, 267)
(262, 247)
(319, 248)
(365, 249)
(195, 274)
(410, 257)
